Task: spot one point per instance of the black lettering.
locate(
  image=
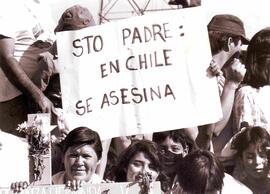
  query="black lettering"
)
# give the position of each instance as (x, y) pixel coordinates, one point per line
(156, 93)
(124, 96)
(114, 67)
(125, 36)
(156, 31)
(80, 107)
(102, 69)
(77, 47)
(114, 97)
(88, 105)
(156, 60)
(136, 35)
(128, 59)
(166, 30)
(168, 91)
(138, 97)
(105, 100)
(148, 37)
(145, 95)
(166, 56)
(88, 42)
(142, 61)
(100, 43)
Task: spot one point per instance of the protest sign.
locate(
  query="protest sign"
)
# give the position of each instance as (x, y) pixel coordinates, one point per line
(104, 188)
(139, 75)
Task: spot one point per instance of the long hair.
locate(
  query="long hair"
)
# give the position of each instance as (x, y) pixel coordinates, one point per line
(119, 172)
(251, 135)
(258, 60)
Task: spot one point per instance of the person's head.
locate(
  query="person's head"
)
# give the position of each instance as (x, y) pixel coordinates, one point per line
(75, 18)
(258, 59)
(174, 141)
(82, 151)
(174, 145)
(141, 157)
(200, 173)
(252, 145)
(226, 33)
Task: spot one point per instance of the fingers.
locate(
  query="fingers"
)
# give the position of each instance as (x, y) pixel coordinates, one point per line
(74, 185)
(214, 69)
(17, 187)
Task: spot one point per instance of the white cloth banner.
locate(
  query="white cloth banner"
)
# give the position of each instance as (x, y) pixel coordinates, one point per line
(103, 188)
(139, 75)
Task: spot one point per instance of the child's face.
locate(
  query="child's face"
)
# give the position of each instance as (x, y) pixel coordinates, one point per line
(171, 153)
(255, 162)
(174, 147)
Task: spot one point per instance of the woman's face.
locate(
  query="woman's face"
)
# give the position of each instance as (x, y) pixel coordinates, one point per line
(80, 162)
(255, 162)
(140, 163)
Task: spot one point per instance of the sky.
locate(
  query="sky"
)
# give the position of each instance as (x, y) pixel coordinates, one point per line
(255, 14)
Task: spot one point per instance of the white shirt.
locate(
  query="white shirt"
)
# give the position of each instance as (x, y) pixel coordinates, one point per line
(59, 178)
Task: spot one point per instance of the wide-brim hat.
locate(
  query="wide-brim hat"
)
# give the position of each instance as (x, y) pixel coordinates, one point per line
(230, 24)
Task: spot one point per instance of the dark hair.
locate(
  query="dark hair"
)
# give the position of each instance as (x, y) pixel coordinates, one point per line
(218, 40)
(258, 59)
(200, 171)
(150, 148)
(251, 135)
(178, 136)
(83, 136)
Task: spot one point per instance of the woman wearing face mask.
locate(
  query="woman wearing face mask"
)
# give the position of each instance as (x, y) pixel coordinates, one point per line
(252, 145)
(175, 145)
(140, 160)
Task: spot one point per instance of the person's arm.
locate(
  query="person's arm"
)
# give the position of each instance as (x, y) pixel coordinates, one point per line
(234, 75)
(18, 77)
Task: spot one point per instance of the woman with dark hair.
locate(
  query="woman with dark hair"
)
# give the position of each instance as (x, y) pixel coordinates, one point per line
(200, 172)
(140, 160)
(81, 154)
(252, 99)
(252, 145)
(82, 151)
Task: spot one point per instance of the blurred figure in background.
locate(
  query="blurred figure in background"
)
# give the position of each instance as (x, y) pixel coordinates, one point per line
(252, 99)
(226, 35)
(23, 36)
(252, 146)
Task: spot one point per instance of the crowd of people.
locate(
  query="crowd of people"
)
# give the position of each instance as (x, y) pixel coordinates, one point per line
(229, 156)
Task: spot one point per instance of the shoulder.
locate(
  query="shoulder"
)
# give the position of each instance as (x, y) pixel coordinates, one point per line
(245, 92)
(231, 184)
(246, 89)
